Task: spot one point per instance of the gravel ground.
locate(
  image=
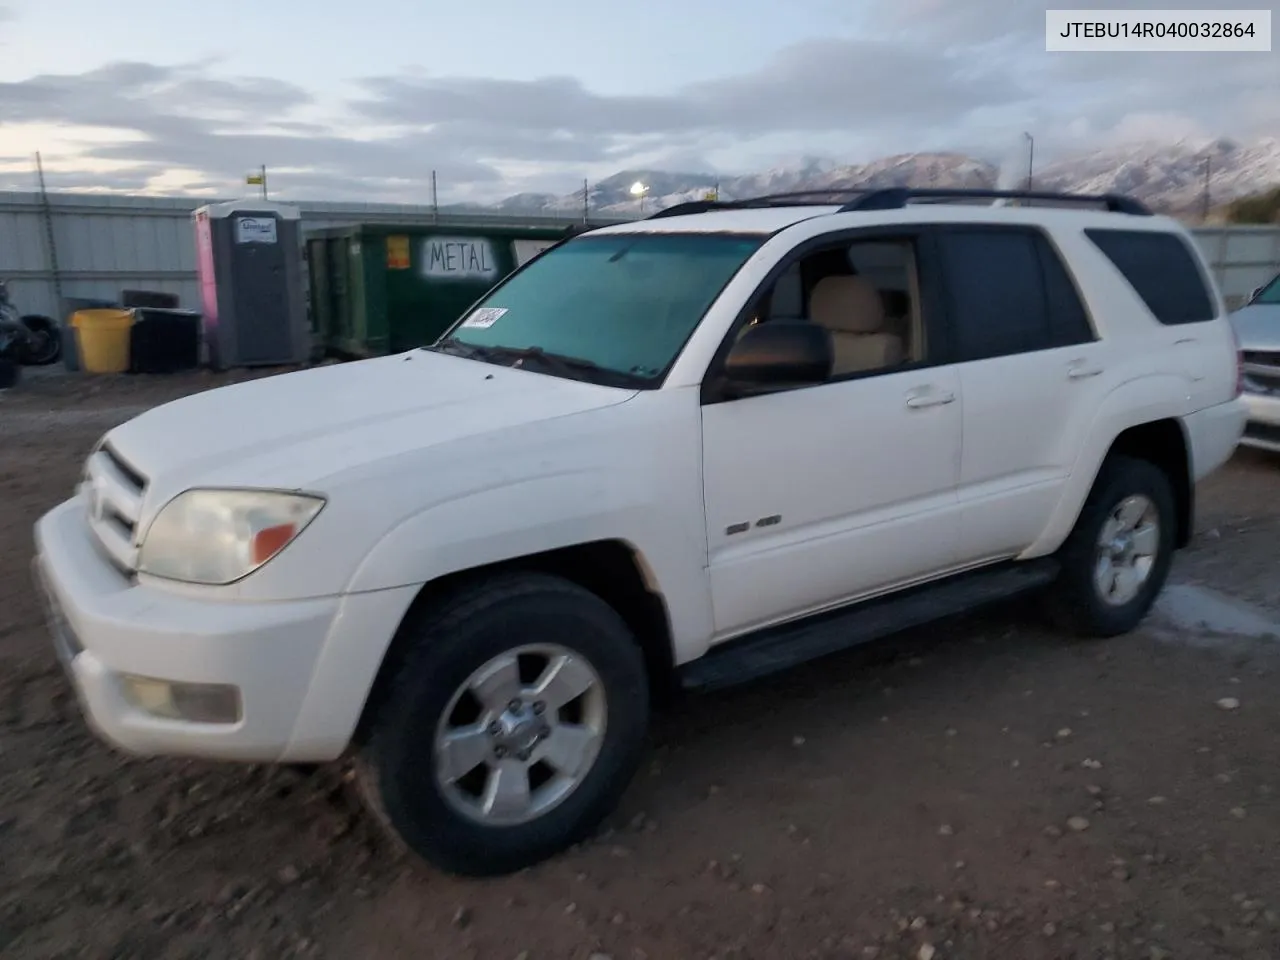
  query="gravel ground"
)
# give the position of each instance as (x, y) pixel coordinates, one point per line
(978, 789)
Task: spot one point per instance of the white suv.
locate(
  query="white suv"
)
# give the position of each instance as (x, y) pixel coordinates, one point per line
(688, 450)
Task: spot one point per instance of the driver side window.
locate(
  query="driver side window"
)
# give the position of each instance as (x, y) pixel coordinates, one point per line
(865, 293)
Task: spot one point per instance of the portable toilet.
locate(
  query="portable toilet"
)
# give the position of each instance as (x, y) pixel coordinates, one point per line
(249, 263)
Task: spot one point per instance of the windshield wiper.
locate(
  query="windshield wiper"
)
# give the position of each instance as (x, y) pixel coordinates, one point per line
(454, 345)
(558, 363)
(554, 361)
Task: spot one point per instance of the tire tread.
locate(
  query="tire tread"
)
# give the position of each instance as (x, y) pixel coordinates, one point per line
(1073, 604)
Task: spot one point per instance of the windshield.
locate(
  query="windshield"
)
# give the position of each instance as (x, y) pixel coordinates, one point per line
(1270, 293)
(623, 304)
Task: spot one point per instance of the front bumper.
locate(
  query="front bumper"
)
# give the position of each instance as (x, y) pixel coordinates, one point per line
(1263, 428)
(105, 627)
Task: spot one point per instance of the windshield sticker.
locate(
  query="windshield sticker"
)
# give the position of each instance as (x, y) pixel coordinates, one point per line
(484, 317)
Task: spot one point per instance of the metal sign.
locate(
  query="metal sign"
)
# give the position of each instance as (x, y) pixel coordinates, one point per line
(397, 253)
(459, 258)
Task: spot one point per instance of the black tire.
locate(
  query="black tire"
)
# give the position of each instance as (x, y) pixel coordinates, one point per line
(1075, 602)
(396, 762)
(44, 341)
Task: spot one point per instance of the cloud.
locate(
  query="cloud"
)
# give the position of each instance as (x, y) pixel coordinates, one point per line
(547, 104)
(924, 74)
(966, 23)
(811, 86)
(1082, 101)
(1226, 93)
(399, 128)
(143, 96)
(185, 117)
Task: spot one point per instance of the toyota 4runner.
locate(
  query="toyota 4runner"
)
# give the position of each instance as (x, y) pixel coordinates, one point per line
(688, 450)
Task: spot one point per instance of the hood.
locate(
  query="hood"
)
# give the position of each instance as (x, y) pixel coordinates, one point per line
(1258, 326)
(292, 429)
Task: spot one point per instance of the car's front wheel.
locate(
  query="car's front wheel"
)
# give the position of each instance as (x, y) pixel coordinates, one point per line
(1117, 558)
(511, 728)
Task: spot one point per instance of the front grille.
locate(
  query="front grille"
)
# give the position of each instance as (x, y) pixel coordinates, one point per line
(1265, 358)
(114, 490)
(1261, 370)
(1262, 432)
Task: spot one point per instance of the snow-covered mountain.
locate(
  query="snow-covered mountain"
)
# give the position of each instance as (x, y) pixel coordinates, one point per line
(1170, 177)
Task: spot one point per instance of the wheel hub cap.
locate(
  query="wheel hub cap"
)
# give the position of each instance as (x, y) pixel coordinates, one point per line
(1128, 546)
(520, 734)
(518, 729)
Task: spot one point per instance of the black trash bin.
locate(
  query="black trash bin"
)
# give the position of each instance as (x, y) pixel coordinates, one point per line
(164, 341)
(149, 298)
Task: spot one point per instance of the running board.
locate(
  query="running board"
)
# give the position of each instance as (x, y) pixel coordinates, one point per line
(779, 648)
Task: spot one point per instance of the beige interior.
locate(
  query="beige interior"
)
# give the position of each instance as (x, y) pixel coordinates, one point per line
(850, 307)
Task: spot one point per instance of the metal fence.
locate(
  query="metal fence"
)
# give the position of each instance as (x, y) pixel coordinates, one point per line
(1241, 258)
(87, 246)
(103, 244)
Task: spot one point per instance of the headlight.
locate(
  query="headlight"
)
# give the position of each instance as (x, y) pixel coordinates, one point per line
(220, 536)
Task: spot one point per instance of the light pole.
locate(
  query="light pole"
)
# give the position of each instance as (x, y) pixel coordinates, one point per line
(638, 190)
(1031, 157)
(1205, 194)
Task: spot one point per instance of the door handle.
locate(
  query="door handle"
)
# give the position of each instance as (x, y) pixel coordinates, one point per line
(918, 400)
(1079, 371)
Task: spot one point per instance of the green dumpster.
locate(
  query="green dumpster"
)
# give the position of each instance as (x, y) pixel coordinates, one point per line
(384, 288)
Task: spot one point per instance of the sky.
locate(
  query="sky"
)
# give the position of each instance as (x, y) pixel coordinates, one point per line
(362, 101)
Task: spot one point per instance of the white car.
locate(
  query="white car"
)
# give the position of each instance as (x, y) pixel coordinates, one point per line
(688, 450)
(1257, 327)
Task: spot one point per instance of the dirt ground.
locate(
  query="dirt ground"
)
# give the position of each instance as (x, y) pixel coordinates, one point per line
(978, 789)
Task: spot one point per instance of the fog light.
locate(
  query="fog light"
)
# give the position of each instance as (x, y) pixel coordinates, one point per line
(196, 702)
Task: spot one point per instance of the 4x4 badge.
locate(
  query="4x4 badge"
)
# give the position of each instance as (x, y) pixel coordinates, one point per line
(772, 521)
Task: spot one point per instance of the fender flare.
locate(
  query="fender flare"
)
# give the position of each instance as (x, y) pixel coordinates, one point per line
(1131, 404)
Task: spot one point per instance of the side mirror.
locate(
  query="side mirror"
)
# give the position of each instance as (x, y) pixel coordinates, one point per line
(781, 353)
(1253, 294)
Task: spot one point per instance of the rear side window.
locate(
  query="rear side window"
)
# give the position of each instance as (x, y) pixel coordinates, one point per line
(1161, 270)
(1008, 293)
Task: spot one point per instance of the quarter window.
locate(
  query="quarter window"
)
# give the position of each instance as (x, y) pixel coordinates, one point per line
(1161, 270)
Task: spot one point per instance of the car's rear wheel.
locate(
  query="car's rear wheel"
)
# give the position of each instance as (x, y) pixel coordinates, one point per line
(511, 728)
(1117, 558)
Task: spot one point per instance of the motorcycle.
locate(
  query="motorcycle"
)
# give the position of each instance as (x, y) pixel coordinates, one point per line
(13, 338)
(26, 339)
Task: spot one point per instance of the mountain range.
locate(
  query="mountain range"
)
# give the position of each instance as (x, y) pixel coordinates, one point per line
(1169, 177)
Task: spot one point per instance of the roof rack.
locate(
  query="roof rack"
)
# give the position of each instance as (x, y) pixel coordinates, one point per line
(833, 198)
(893, 198)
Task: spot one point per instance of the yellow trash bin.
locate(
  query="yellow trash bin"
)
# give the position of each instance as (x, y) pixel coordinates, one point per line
(102, 339)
